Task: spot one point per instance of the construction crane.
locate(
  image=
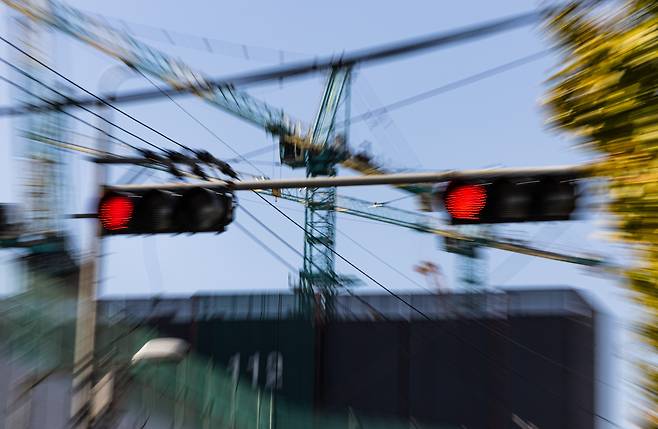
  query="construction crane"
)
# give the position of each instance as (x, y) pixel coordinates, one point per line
(319, 149)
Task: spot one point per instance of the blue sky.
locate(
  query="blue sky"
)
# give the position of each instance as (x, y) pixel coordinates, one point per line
(498, 121)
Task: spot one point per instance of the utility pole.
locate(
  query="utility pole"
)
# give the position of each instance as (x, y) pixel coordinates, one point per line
(85, 329)
(83, 360)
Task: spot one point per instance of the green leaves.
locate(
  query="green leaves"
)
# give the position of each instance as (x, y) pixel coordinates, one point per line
(606, 94)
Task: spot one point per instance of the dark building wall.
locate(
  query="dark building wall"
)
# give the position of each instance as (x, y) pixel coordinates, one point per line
(364, 366)
(288, 343)
(458, 373)
(524, 357)
(475, 373)
(441, 372)
(553, 359)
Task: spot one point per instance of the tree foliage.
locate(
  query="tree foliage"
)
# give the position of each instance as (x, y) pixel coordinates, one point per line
(605, 93)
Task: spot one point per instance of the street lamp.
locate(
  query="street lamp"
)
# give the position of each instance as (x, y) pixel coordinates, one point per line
(161, 350)
(105, 392)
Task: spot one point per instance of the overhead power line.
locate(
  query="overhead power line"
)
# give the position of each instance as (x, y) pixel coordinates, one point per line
(298, 253)
(298, 210)
(67, 145)
(265, 247)
(108, 104)
(374, 255)
(271, 231)
(96, 97)
(25, 90)
(61, 94)
(449, 87)
(342, 258)
(384, 130)
(299, 68)
(516, 267)
(201, 124)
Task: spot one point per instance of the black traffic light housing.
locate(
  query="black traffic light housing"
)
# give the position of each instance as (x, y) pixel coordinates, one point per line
(156, 211)
(511, 199)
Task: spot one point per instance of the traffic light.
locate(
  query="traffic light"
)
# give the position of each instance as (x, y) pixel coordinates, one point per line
(156, 211)
(511, 199)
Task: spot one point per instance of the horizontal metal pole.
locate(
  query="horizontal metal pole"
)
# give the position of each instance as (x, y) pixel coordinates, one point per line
(499, 243)
(81, 216)
(378, 179)
(123, 160)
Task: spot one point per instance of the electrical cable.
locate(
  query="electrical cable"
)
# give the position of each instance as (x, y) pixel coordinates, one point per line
(268, 229)
(61, 94)
(97, 153)
(71, 131)
(370, 55)
(195, 119)
(348, 262)
(448, 87)
(518, 267)
(28, 75)
(293, 209)
(374, 255)
(136, 175)
(349, 219)
(87, 150)
(14, 84)
(392, 134)
(265, 247)
(375, 112)
(70, 146)
(426, 317)
(105, 102)
(298, 253)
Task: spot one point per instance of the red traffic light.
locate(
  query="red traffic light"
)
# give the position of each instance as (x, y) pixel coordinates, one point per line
(537, 198)
(115, 212)
(465, 201)
(155, 211)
